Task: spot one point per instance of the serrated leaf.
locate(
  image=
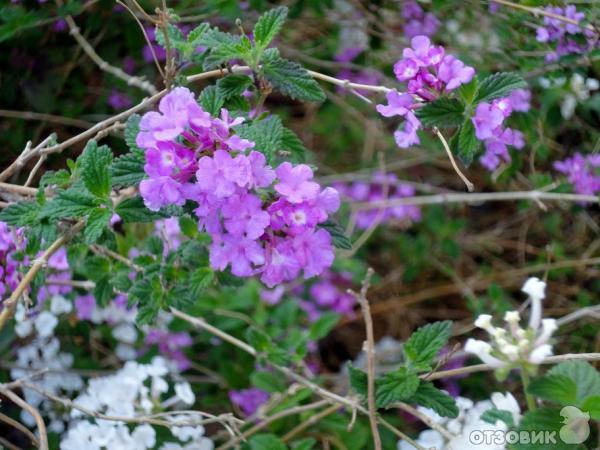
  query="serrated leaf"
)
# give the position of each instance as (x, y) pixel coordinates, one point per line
(267, 381)
(323, 325)
(499, 85)
(292, 143)
(72, 202)
(103, 291)
(358, 381)
(96, 222)
(60, 178)
(211, 101)
(268, 25)
(556, 388)
(128, 169)
(424, 344)
(467, 143)
(468, 91)
(395, 386)
(200, 279)
(133, 210)
(95, 169)
(266, 135)
(266, 442)
(429, 396)
(493, 415)
(223, 47)
(20, 214)
(444, 112)
(338, 236)
(586, 378)
(291, 79)
(196, 34)
(176, 39)
(233, 85)
(544, 420)
(132, 129)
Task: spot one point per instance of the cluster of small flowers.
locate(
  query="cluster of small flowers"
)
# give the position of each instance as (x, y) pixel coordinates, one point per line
(468, 421)
(12, 244)
(513, 345)
(428, 72)
(488, 121)
(276, 238)
(59, 273)
(134, 390)
(248, 400)
(374, 190)
(418, 21)
(564, 33)
(583, 172)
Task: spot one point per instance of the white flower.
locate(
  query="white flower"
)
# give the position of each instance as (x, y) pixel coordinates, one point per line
(507, 402)
(482, 350)
(144, 435)
(484, 321)
(185, 394)
(540, 353)
(535, 288)
(512, 316)
(125, 333)
(24, 328)
(427, 439)
(45, 323)
(60, 305)
(549, 326)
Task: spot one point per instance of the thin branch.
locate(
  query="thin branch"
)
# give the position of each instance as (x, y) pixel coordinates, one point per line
(309, 422)
(589, 311)
(51, 118)
(43, 439)
(462, 176)
(361, 298)
(426, 420)
(22, 428)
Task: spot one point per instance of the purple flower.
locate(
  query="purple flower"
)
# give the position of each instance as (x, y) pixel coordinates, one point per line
(119, 100)
(453, 72)
(221, 174)
(244, 216)
(85, 306)
(248, 400)
(294, 182)
(281, 262)
(520, 99)
(171, 345)
(161, 191)
(582, 172)
(314, 252)
(241, 253)
(486, 120)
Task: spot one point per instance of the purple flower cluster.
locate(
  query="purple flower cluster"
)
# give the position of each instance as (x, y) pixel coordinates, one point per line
(564, 33)
(418, 22)
(58, 271)
(429, 73)
(329, 294)
(262, 221)
(373, 190)
(489, 127)
(248, 400)
(583, 172)
(171, 345)
(12, 244)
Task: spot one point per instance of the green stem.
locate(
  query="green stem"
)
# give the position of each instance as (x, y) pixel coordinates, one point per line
(530, 400)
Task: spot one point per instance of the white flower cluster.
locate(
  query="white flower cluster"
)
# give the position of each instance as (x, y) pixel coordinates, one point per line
(514, 345)
(135, 390)
(468, 420)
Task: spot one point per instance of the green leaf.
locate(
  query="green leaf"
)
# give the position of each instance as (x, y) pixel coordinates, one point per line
(338, 236)
(268, 25)
(358, 381)
(585, 376)
(200, 279)
(266, 442)
(176, 39)
(96, 223)
(292, 143)
(556, 388)
(424, 344)
(211, 101)
(591, 405)
(499, 85)
(103, 291)
(395, 386)
(72, 202)
(468, 144)
(304, 444)
(133, 210)
(323, 325)
(233, 85)
(291, 79)
(429, 396)
(493, 415)
(128, 169)
(223, 47)
(196, 34)
(267, 381)
(60, 178)
(21, 214)
(266, 135)
(95, 169)
(132, 129)
(444, 112)
(468, 91)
